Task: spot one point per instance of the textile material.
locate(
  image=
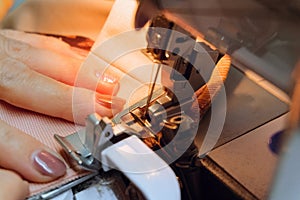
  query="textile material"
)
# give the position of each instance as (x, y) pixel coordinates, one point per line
(42, 128)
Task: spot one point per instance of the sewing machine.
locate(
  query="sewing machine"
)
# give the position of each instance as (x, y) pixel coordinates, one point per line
(221, 71)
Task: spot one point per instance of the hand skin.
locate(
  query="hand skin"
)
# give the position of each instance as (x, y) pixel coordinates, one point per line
(12, 186)
(38, 73)
(20, 159)
(35, 69)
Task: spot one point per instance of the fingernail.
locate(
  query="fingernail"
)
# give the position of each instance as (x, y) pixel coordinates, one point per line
(107, 78)
(110, 102)
(48, 164)
(104, 100)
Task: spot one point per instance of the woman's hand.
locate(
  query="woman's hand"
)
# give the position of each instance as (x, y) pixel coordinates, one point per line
(39, 73)
(23, 157)
(9, 181)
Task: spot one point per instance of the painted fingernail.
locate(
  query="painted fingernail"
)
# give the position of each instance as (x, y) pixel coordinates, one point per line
(109, 101)
(107, 78)
(104, 100)
(48, 164)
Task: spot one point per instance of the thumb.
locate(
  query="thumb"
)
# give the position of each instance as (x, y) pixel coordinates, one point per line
(10, 181)
(27, 156)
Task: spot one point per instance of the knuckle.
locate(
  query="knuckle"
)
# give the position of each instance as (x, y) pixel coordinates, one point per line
(13, 48)
(2, 52)
(12, 72)
(16, 49)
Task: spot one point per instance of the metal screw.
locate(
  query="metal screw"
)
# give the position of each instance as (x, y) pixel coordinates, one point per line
(107, 134)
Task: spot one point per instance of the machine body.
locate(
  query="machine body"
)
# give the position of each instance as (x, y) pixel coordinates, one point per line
(193, 45)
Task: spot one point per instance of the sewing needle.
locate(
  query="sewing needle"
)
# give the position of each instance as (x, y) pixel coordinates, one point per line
(152, 86)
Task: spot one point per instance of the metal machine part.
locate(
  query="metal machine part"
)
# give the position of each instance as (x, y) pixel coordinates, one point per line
(104, 146)
(167, 119)
(259, 34)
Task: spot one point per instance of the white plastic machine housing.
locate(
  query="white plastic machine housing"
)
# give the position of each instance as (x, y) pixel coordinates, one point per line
(150, 174)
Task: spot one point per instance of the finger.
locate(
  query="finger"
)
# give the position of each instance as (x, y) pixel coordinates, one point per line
(85, 102)
(107, 84)
(42, 42)
(10, 181)
(57, 66)
(28, 89)
(27, 156)
(47, 62)
(112, 102)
